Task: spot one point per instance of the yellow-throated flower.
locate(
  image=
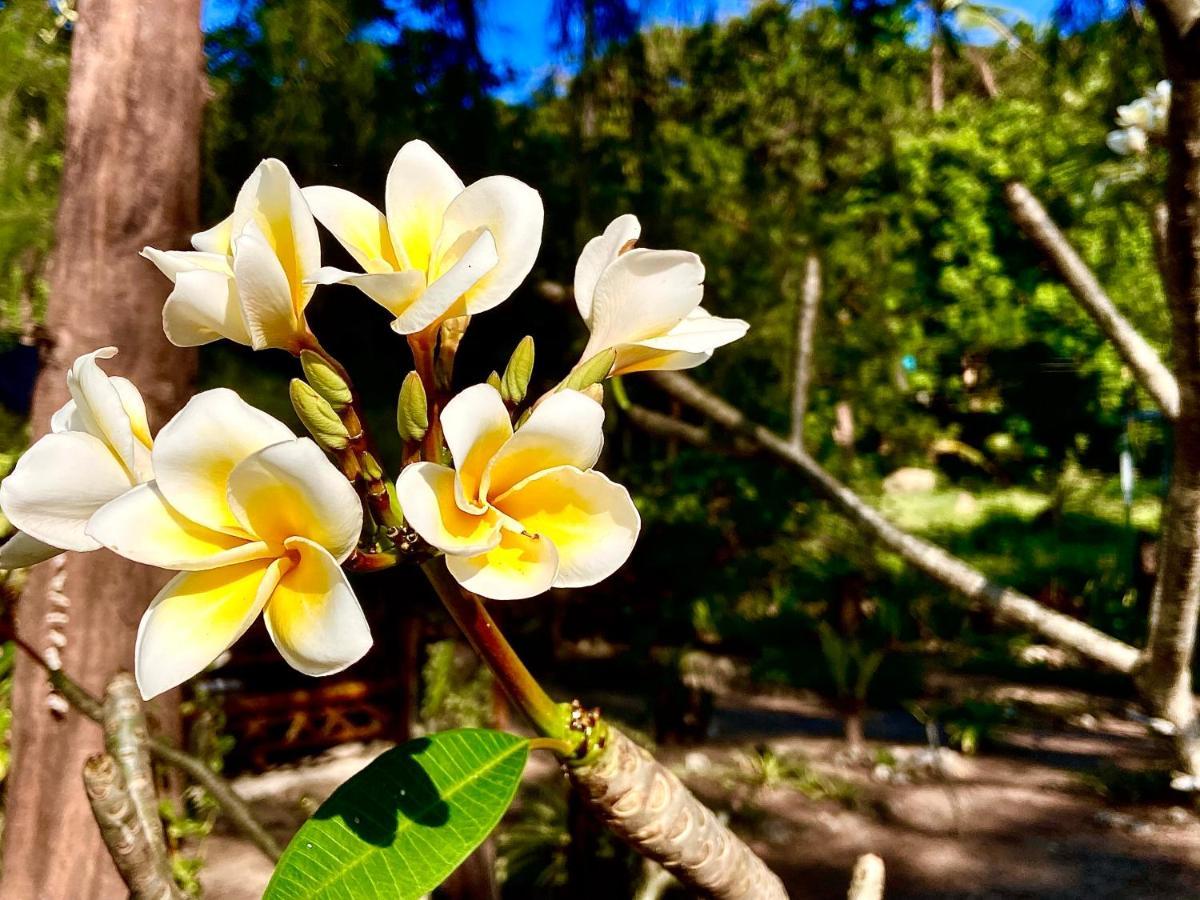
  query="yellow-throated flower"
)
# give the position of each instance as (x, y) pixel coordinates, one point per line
(247, 278)
(255, 520)
(645, 304)
(521, 512)
(441, 249)
(97, 449)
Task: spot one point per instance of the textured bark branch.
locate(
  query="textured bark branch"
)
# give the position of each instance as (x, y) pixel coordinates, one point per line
(867, 881)
(1142, 359)
(137, 858)
(231, 804)
(1006, 603)
(664, 426)
(649, 808)
(127, 742)
(1165, 676)
(806, 324)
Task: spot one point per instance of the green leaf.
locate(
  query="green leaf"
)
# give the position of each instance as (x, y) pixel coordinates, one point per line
(412, 410)
(517, 373)
(403, 824)
(591, 372)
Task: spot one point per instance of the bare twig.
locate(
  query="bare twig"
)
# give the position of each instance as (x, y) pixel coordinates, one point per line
(231, 804)
(867, 881)
(942, 566)
(1142, 359)
(136, 856)
(806, 323)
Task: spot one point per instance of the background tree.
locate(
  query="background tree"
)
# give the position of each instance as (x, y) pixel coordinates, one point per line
(130, 178)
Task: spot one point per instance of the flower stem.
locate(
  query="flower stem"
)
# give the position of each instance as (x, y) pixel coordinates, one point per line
(549, 718)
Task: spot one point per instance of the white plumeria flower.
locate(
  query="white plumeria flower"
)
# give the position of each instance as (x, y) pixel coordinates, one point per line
(1127, 141)
(98, 448)
(256, 521)
(1138, 114)
(441, 250)
(645, 304)
(247, 279)
(521, 512)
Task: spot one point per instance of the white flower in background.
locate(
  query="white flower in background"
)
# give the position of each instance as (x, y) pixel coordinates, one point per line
(1144, 118)
(247, 279)
(645, 304)
(440, 249)
(98, 448)
(256, 521)
(521, 512)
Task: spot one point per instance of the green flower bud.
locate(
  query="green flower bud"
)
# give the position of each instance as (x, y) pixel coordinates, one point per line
(591, 372)
(517, 373)
(412, 411)
(318, 416)
(494, 381)
(325, 380)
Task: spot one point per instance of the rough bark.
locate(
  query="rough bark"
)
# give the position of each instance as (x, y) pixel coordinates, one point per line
(648, 807)
(1006, 603)
(806, 323)
(130, 178)
(937, 69)
(1165, 671)
(1142, 359)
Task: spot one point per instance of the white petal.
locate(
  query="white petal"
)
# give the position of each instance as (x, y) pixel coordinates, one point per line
(476, 425)
(313, 616)
(98, 407)
(426, 492)
(643, 294)
(58, 484)
(512, 212)
(565, 429)
(442, 297)
(21, 551)
(621, 233)
(216, 239)
(685, 346)
(173, 263)
(135, 408)
(195, 452)
(272, 316)
(519, 567)
(420, 185)
(204, 307)
(195, 618)
(140, 525)
(293, 490)
(394, 291)
(591, 521)
(357, 225)
(272, 200)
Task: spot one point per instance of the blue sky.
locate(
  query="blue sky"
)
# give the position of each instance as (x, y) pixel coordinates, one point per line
(518, 37)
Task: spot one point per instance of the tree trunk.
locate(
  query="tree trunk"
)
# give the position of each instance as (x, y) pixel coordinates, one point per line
(806, 323)
(937, 70)
(130, 178)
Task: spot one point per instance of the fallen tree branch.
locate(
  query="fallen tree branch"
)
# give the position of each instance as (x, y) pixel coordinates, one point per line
(1006, 603)
(231, 804)
(1143, 360)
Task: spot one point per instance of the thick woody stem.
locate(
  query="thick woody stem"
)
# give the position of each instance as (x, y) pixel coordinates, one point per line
(231, 804)
(942, 566)
(1143, 360)
(641, 801)
(136, 857)
(648, 807)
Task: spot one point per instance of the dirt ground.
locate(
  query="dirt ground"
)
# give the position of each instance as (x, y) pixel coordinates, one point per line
(1014, 821)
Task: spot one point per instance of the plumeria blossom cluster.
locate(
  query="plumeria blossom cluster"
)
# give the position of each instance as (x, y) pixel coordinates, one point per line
(256, 521)
(1141, 121)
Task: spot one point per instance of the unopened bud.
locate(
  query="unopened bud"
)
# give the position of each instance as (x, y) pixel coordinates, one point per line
(318, 416)
(412, 410)
(325, 379)
(517, 373)
(593, 371)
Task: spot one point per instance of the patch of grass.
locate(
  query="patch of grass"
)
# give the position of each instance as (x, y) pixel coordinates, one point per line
(763, 767)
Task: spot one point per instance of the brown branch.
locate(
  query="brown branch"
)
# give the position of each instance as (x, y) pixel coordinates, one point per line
(127, 740)
(1176, 19)
(649, 808)
(1142, 359)
(806, 324)
(1006, 603)
(231, 804)
(136, 857)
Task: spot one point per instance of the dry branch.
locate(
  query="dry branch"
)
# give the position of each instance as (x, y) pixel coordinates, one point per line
(1144, 361)
(944, 567)
(806, 323)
